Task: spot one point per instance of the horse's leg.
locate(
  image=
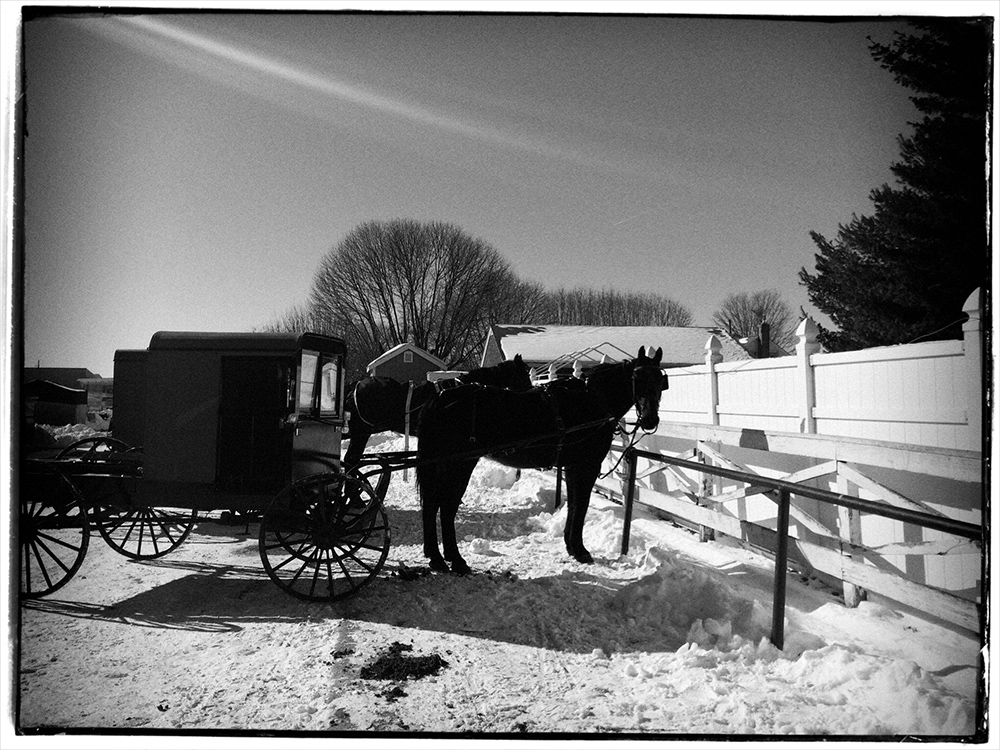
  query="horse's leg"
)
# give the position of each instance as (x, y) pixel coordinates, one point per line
(428, 478)
(428, 512)
(458, 479)
(580, 479)
(358, 443)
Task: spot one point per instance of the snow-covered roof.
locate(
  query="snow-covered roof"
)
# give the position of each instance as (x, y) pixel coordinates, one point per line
(400, 348)
(552, 343)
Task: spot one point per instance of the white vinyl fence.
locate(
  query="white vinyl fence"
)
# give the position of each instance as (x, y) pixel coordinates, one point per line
(920, 394)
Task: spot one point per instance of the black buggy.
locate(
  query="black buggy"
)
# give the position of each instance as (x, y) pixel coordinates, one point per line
(240, 422)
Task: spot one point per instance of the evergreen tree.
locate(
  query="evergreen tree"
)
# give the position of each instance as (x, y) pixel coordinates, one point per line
(904, 273)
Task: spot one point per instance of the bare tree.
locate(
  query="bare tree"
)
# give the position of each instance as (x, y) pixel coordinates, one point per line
(608, 307)
(429, 284)
(740, 315)
(297, 319)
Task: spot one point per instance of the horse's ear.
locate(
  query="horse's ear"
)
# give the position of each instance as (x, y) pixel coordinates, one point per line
(642, 352)
(518, 360)
(658, 356)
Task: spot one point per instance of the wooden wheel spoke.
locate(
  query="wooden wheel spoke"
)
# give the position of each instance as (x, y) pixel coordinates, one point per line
(338, 544)
(145, 533)
(56, 540)
(41, 565)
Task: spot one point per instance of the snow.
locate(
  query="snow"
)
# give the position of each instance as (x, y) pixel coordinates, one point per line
(670, 639)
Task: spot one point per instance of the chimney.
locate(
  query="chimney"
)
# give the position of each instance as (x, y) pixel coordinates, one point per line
(764, 340)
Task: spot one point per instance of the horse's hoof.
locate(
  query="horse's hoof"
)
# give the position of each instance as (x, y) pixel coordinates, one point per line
(461, 568)
(584, 557)
(438, 565)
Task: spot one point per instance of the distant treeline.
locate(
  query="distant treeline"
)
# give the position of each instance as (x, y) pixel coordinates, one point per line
(610, 307)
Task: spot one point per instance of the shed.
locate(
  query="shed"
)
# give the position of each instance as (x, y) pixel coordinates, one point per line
(62, 407)
(47, 402)
(553, 346)
(67, 376)
(405, 362)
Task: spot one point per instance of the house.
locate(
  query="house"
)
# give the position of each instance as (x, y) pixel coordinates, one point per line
(405, 362)
(559, 350)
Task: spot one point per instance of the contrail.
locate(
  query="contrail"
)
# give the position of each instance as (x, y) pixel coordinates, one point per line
(329, 87)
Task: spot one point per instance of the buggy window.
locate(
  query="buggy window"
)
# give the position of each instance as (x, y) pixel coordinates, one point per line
(319, 384)
(329, 381)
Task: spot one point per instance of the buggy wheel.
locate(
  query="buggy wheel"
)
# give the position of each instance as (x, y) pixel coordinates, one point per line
(94, 449)
(324, 537)
(144, 533)
(53, 533)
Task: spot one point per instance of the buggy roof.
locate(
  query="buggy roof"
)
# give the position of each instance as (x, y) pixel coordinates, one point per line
(244, 341)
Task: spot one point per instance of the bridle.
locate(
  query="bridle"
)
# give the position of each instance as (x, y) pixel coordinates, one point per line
(635, 394)
(631, 437)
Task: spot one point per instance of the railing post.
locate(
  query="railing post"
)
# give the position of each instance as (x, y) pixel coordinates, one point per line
(558, 487)
(972, 343)
(713, 356)
(780, 571)
(633, 461)
(806, 347)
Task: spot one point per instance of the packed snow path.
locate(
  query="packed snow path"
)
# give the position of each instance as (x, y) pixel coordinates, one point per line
(671, 639)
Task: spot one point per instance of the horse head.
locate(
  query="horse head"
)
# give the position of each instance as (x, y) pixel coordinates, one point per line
(520, 376)
(648, 382)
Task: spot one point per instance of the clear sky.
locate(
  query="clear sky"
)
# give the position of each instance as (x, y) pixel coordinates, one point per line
(189, 171)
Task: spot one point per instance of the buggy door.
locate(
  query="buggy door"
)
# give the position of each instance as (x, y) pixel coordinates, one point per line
(255, 448)
(320, 412)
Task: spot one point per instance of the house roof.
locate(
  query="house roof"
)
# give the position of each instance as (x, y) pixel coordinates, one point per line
(400, 348)
(564, 344)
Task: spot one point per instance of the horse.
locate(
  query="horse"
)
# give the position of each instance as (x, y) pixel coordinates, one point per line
(377, 404)
(568, 423)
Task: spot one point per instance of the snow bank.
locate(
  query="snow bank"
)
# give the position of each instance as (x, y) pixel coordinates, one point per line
(65, 435)
(721, 658)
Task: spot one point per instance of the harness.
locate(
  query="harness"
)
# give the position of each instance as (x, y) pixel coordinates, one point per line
(561, 431)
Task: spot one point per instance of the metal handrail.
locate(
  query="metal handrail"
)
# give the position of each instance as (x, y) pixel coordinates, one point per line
(785, 490)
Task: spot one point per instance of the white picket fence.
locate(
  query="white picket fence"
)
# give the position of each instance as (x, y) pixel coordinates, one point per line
(901, 425)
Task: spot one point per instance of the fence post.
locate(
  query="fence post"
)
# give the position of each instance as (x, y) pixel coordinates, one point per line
(633, 461)
(850, 531)
(780, 571)
(713, 356)
(705, 533)
(406, 428)
(972, 344)
(806, 347)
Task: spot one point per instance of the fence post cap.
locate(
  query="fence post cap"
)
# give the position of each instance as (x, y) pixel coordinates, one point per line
(972, 305)
(713, 347)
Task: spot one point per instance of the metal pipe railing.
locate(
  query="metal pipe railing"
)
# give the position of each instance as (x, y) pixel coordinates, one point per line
(785, 490)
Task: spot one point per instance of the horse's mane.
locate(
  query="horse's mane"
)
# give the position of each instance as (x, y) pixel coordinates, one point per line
(605, 368)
